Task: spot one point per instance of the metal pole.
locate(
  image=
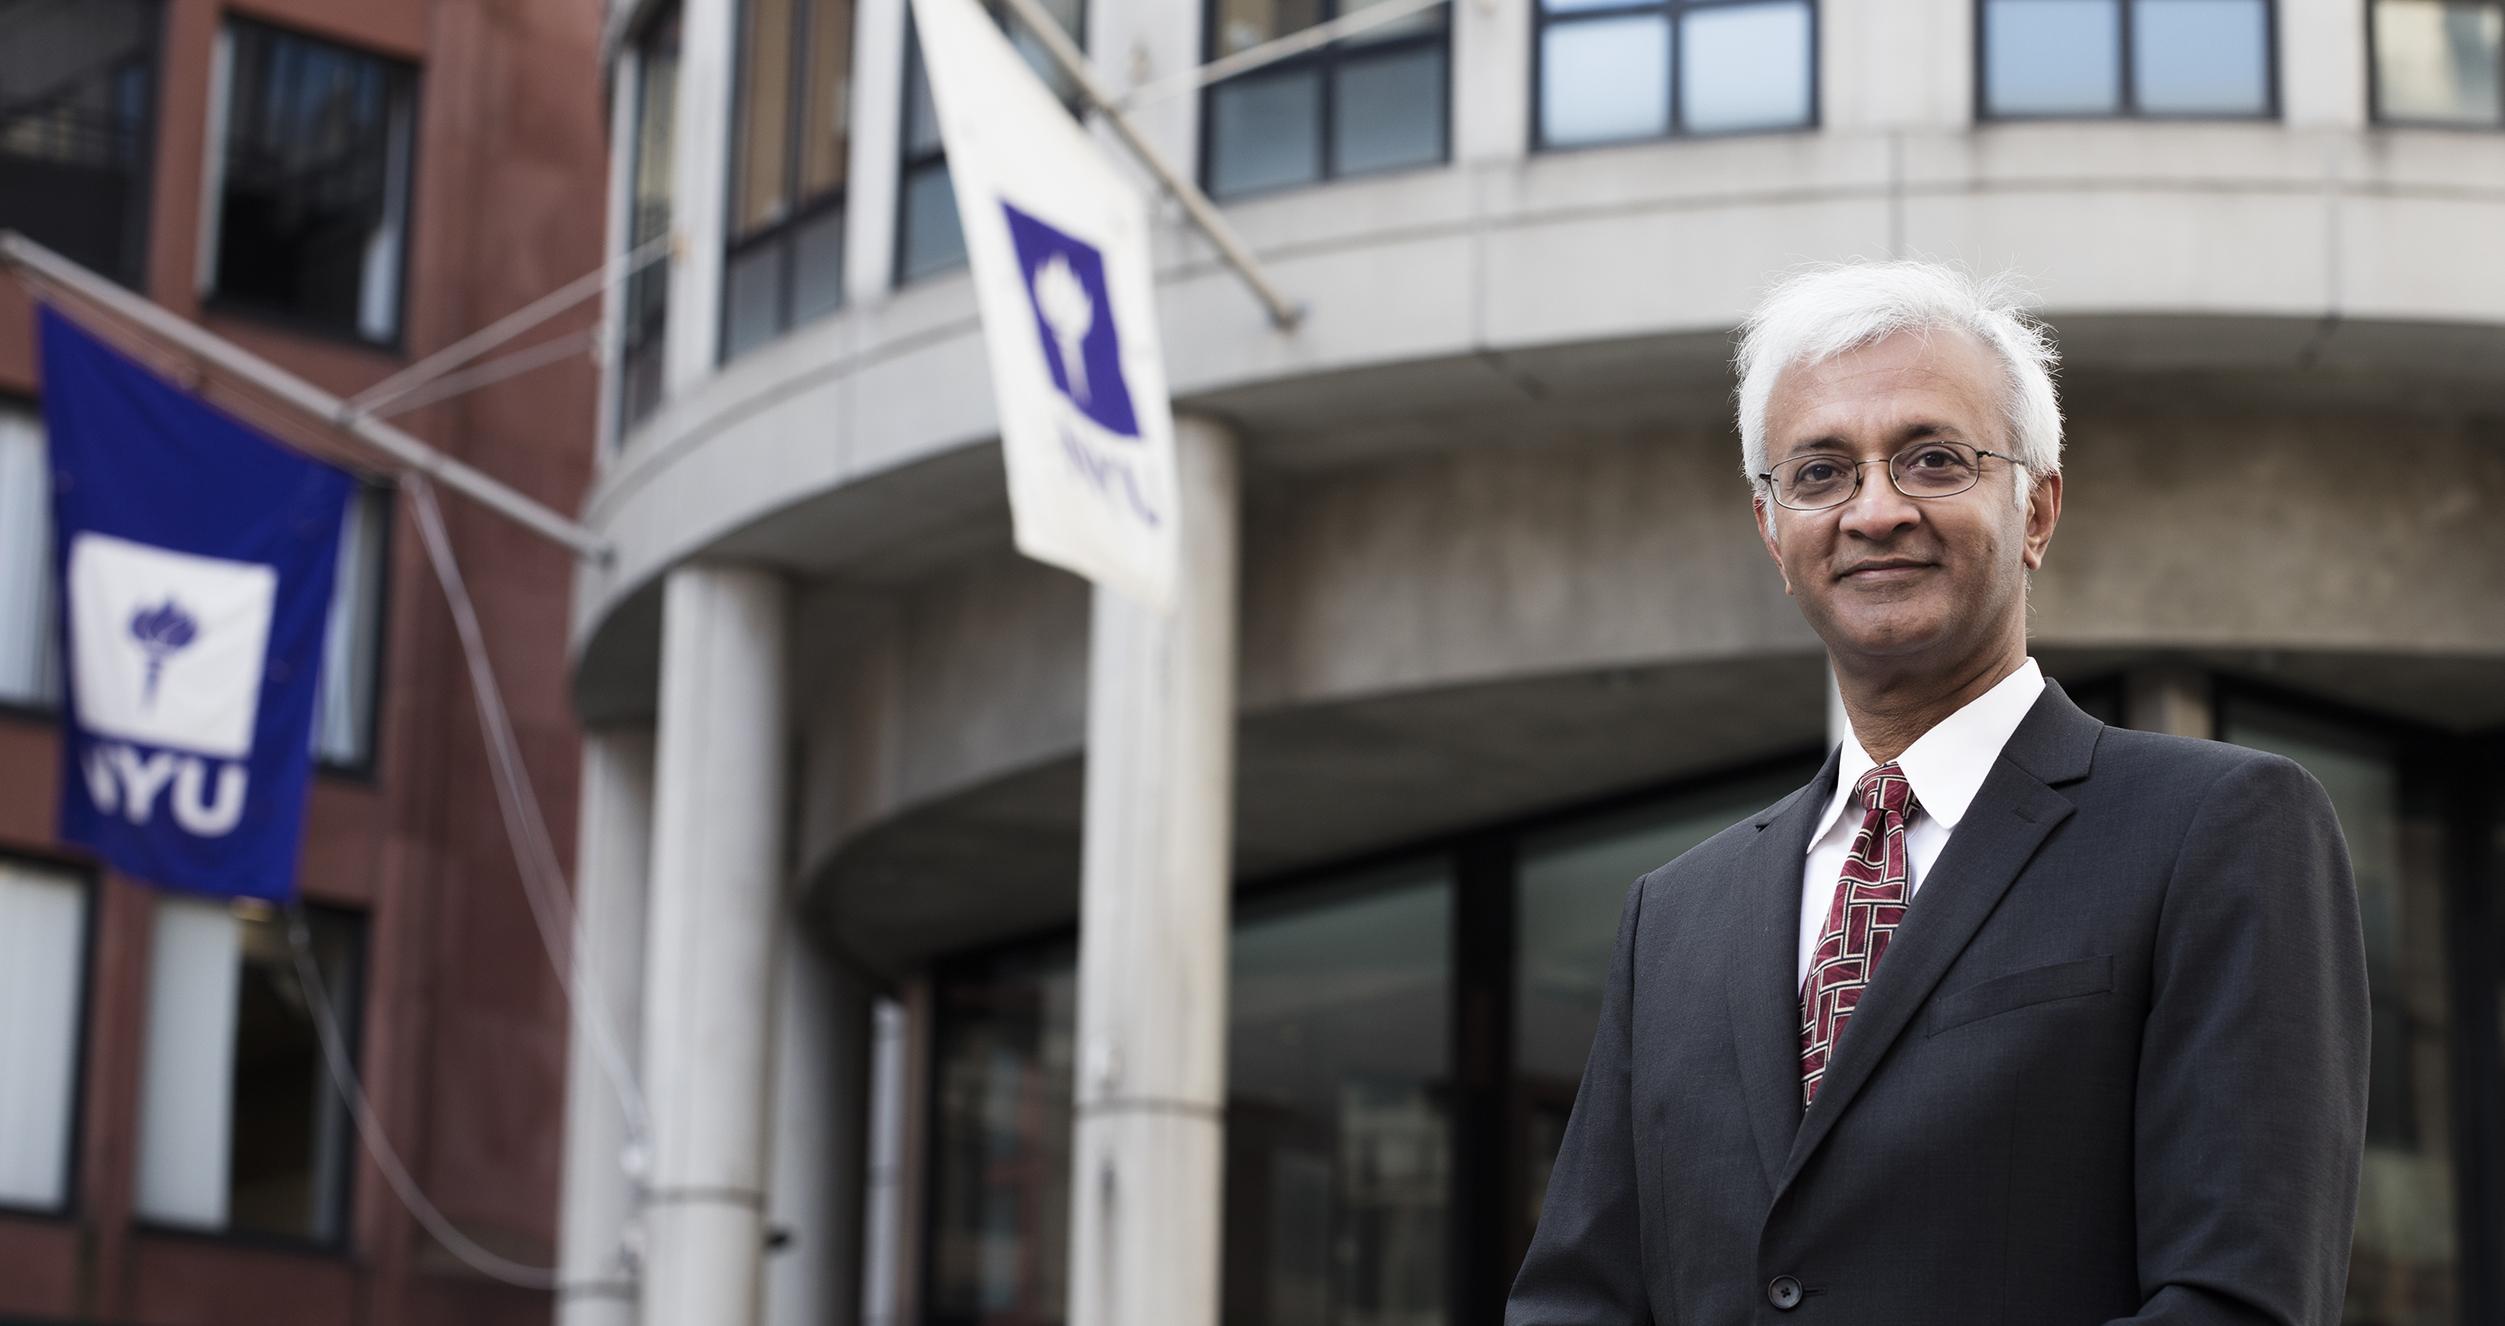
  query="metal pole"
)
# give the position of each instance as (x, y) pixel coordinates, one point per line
(407, 452)
(1284, 312)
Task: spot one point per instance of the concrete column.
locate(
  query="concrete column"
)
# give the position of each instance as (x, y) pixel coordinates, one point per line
(1149, 1151)
(877, 127)
(709, 989)
(612, 868)
(700, 145)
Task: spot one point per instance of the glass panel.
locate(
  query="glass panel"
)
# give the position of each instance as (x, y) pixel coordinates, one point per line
(646, 316)
(752, 292)
(1605, 79)
(1265, 131)
(1338, 1108)
(1248, 23)
(1390, 112)
(2438, 61)
(292, 1144)
(1573, 882)
(1744, 67)
(1072, 16)
(1001, 1077)
(932, 240)
(352, 639)
(76, 82)
(826, 132)
(921, 113)
(27, 645)
(2200, 57)
(2403, 1267)
(312, 212)
(818, 265)
(43, 985)
(765, 99)
(2052, 57)
(1426, 20)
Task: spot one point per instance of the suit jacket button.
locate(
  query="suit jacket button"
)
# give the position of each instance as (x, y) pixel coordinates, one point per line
(1783, 1292)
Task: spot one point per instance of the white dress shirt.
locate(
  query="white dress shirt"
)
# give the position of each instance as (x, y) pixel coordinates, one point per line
(1946, 766)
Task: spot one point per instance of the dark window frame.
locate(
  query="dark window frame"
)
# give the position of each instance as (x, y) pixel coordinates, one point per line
(139, 226)
(1326, 62)
(782, 235)
(1481, 867)
(911, 162)
(2447, 774)
(639, 331)
(1543, 19)
(2376, 119)
(348, 1005)
(84, 875)
(2126, 94)
(215, 299)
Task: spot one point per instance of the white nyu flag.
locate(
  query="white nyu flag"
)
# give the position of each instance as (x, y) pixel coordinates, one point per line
(1058, 241)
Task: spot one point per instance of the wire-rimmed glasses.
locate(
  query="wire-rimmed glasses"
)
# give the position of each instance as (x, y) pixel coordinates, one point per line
(1930, 468)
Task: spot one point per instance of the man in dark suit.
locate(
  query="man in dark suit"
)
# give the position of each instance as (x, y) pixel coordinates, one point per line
(2008, 1016)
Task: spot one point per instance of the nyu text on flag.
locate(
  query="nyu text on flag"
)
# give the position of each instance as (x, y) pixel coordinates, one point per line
(194, 560)
(1058, 243)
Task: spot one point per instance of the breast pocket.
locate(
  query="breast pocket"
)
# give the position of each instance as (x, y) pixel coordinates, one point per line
(2020, 989)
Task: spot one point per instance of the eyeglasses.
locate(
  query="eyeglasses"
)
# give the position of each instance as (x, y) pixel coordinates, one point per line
(1927, 469)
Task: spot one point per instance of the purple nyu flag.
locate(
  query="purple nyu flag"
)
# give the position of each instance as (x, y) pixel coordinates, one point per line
(194, 559)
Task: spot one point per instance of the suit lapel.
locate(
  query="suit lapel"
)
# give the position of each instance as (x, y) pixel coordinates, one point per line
(1765, 1004)
(2011, 816)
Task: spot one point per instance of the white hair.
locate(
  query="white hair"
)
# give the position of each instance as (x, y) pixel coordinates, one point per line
(1818, 313)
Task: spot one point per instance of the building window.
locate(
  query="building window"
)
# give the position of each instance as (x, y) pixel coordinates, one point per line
(312, 187)
(241, 1129)
(1375, 102)
(1611, 71)
(1339, 1152)
(2439, 62)
(29, 674)
(928, 240)
(1000, 1193)
(44, 920)
(352, 639)
(788, 158)
(77, 128)
(2160, 58)
(2405, 1264)
(1572, 885)
(644, 323)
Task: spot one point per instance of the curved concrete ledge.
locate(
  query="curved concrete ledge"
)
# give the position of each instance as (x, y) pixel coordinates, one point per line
(1601, 279)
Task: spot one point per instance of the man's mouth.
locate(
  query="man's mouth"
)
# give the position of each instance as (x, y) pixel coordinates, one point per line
(1890, 568)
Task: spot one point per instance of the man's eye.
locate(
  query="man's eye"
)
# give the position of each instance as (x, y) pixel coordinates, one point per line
(1817, 471)
(1933, 458)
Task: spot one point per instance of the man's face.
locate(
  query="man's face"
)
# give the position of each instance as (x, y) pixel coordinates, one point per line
(1884, 578)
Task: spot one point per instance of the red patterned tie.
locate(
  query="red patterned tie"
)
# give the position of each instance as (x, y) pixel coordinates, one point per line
(1869, 902)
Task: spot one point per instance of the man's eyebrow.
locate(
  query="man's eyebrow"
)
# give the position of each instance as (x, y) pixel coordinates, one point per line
(1912, 432)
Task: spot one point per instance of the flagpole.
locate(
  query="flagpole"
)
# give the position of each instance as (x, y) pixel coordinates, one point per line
(51, 269)
(1285, 313)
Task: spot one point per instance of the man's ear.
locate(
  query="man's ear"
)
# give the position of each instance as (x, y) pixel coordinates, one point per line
(1765, 533)
(2043, 512)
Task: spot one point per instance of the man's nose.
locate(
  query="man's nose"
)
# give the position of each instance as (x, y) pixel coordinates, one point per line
(1878, 510)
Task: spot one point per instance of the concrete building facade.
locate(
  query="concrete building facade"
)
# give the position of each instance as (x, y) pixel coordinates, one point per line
(1502, 637)
(341, 187)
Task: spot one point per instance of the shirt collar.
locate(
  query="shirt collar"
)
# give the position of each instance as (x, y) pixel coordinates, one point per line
(1947, 764)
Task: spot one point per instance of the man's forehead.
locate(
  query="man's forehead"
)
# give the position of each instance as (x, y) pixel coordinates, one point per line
(1899, 385)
